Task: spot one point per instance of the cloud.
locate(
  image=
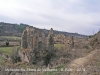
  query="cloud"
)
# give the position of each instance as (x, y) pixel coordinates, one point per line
(81, 16)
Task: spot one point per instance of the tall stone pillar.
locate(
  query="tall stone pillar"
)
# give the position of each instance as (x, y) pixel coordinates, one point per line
(50, 39)
(24, 40)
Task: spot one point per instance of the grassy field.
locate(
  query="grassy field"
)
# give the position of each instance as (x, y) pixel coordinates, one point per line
(7, 50)
(1, 58)
(59, 46)
(11, 37)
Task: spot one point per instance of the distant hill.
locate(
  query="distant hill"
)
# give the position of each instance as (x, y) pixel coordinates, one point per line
(67, 33)
(8, 29)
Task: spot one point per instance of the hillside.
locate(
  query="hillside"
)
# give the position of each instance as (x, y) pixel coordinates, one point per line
(8, 29)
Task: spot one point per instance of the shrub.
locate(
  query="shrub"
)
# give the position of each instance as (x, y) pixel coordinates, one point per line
(7, 43)
(94, 42)
(15, 57)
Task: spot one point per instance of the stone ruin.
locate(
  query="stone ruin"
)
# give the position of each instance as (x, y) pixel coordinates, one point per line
(50, 39)
(31, 37)
(35, 45)
(37, 48)
(69, 42)
(63, 39)
(59, 38)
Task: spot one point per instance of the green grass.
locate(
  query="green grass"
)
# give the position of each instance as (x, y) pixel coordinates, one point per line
(55, 72)
(2, 61)
(59, 66)
(11, 37)
(59, 46)
(1, 58)
(6, 50)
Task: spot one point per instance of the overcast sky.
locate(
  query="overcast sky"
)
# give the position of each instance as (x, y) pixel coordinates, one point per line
(80, 16)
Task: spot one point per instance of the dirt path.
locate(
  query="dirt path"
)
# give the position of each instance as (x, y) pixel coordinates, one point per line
(78, 64)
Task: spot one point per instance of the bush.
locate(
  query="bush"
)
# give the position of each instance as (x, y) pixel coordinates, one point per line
(7, 43)
(86, 47)
(94, 42)
(15, 57)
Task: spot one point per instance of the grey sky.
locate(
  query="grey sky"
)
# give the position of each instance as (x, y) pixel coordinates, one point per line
(81, 16)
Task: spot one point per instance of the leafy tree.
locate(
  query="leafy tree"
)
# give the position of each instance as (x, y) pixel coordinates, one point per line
(7, 43)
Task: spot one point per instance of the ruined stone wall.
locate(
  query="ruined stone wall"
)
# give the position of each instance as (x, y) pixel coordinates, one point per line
(62, 39)
(59, 38)
(31, 37)
(69, 42)
(33, 40)
(35, 46)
